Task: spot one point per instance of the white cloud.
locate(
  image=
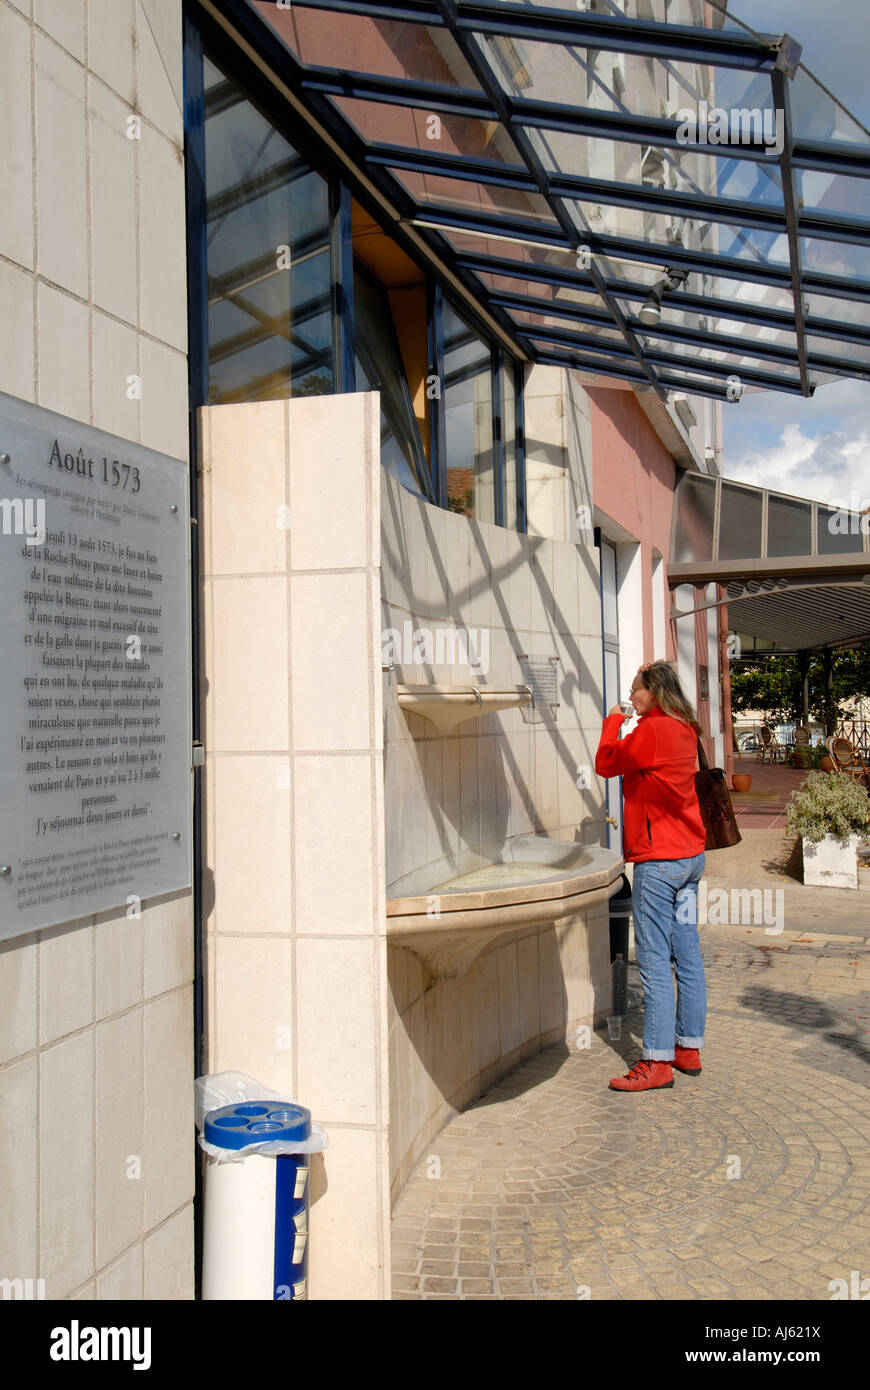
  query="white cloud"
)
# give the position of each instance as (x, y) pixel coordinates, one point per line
(817, 448)
(830, 467)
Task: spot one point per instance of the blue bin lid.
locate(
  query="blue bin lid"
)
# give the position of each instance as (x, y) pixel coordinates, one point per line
(256, 1122)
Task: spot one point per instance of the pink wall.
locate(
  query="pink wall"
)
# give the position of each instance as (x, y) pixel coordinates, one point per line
(633, 482)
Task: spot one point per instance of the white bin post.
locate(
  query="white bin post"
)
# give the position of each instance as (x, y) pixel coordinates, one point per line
(255, 1243)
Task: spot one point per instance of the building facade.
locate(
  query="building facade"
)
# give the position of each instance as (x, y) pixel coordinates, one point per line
(402, 499)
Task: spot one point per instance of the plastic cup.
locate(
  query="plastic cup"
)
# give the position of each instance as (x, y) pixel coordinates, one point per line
(614, 1028)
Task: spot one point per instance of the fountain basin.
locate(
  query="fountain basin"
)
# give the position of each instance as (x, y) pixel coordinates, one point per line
(447, 706)
(532, 881)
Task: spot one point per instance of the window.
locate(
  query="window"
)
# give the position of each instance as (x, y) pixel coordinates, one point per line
(479, 444)
(268, 262)
(509, 445)
(295, 289)
(468, 415)
(379, 368)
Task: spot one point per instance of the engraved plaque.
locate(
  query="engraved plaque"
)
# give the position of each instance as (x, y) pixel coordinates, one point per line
(539, 673)
(95, 748)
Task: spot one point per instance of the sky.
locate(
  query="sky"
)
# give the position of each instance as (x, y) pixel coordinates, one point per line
(817, 448)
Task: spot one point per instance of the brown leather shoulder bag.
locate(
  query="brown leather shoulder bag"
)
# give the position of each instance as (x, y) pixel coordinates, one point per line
(717, 812)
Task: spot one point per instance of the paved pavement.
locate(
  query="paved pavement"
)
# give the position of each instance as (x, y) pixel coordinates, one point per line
(763, 807)
(751, 1181)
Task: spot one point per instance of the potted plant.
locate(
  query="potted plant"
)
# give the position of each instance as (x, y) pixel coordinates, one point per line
(810, 756)
(831, 813)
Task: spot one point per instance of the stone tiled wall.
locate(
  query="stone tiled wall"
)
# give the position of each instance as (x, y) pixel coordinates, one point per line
(96, 1047)
(293, 795)
(450, 798)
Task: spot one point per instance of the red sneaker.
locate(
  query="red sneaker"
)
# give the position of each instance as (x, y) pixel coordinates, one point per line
(644, 1076)
(688, 1060)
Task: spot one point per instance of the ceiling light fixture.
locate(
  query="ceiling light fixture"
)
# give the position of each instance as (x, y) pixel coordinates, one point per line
(651, 311)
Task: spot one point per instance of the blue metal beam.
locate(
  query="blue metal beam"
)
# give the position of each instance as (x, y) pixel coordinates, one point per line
(478, 61)
(794, 218)
(613, 33)
(595, 366)
(828, 156)
(584, 341)
(578, 313)
(725, 308)
(628, 249)
(611, 193)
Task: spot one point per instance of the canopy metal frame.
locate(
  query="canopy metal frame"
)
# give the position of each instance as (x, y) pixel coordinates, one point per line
(470, 25)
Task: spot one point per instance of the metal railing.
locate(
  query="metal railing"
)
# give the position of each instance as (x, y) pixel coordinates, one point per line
(857, 731)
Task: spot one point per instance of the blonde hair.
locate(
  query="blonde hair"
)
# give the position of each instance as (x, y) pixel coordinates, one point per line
(662, 681)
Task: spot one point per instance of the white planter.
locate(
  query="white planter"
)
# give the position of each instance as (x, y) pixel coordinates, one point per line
(830, 863)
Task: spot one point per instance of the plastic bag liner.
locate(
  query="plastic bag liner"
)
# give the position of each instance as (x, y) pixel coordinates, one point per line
(233, 1087)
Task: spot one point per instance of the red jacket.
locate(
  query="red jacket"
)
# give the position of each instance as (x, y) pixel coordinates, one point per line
(657, 762)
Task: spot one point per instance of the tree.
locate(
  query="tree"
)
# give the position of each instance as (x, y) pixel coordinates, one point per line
(772, 684)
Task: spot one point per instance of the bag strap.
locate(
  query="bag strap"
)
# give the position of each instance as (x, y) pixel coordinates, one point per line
(702, 758)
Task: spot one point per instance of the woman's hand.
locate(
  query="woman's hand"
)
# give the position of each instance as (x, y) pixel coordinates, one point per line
(617, 709)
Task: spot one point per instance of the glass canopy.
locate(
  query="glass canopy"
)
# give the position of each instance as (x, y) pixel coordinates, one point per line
(792, 570)
(561, 160)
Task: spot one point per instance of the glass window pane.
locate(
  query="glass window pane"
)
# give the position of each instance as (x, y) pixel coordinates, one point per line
(356, 43)
(835, 258)
(835, 193)
(438, 190)
(695, 506)
(816, 115)
(412, 128)
(731, 358)
(268, 256)
(852, 353)
(509, 442)
(788, 526)
(468, 414)
(609, 610)
(538, 322)
(835, 531)
(690, 169)
(831, 309)
(604, 78)
(739, 523)
(379, 368)
(685, 12)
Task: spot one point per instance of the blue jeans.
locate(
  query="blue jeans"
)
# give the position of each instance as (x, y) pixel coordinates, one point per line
(665, 909)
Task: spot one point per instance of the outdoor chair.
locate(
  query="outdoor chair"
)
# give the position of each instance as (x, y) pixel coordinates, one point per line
(771, 750)
(802, 742)
(847, 758)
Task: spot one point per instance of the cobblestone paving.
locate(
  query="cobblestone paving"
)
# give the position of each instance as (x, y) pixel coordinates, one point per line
(554, 1187)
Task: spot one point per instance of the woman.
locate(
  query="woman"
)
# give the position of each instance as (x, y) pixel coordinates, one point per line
(664, 836)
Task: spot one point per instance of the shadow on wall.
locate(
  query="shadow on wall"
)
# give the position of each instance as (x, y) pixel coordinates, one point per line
(453, 1039)
(500, 776)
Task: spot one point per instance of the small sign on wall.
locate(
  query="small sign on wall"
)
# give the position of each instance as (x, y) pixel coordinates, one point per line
(95, 748)
(540, 674)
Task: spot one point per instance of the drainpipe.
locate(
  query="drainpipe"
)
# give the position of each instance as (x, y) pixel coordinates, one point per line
(725, 669)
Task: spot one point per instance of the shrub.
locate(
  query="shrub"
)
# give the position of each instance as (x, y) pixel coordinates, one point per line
(828, 803)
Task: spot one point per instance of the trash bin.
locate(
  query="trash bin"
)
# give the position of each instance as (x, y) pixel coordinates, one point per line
(257, 1189)
(620, 911)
